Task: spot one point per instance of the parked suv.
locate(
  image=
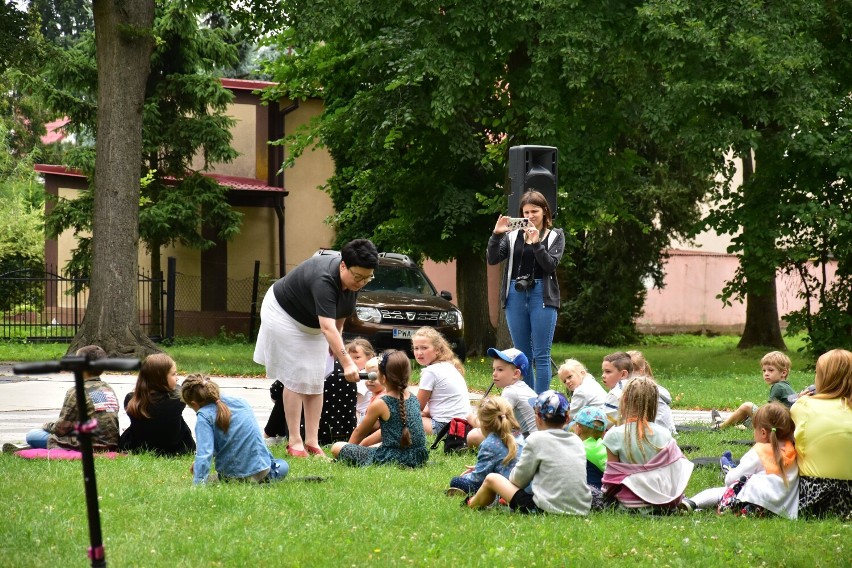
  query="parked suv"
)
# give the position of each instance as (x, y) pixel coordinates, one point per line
(399, 300)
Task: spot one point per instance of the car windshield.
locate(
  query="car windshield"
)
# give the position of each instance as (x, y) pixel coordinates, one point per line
(399, 279)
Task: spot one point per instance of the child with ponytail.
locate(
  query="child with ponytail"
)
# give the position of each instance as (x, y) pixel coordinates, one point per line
(398, 414)
(767, 477)
(645, 469)
(227, 431)
(498, 453)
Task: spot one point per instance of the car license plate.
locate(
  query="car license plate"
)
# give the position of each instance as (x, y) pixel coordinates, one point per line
(402, 333)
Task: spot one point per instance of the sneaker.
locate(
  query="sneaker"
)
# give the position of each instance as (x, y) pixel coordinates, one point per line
(727, 462)
(455, 492)
(10, 448)
(687, 506)
(716, 419)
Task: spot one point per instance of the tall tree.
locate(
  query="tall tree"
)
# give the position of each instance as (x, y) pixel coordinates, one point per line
(184, 120)
(422, 101)
(124, 45)
(759, 73)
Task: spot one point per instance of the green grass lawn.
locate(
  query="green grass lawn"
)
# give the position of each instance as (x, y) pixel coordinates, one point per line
(700, 372)
(378, 516)
(384, 516)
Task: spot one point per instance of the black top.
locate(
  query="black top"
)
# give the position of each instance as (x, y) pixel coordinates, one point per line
(314, 289)
(165, 433)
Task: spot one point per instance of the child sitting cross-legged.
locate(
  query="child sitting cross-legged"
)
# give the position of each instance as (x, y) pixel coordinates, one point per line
(498, 453)
(508, 369)
(398, 414)
(645, 469)
(589, 424)
(552, 464)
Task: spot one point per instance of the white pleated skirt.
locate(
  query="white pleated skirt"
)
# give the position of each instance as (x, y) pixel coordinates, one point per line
(292, 353)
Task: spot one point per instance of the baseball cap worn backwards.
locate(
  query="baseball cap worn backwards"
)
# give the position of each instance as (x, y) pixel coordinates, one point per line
(514, 356)
(551, 406)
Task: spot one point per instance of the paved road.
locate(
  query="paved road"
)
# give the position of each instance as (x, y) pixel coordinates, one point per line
(27, 402)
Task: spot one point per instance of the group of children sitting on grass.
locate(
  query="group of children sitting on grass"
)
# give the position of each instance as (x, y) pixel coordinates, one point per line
(536, 453)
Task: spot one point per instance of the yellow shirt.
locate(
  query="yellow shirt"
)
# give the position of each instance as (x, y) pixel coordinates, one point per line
(823, 437)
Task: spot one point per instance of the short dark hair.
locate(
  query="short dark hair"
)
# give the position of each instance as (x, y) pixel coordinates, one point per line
(360, 252)
(621, 361)
(91, 352)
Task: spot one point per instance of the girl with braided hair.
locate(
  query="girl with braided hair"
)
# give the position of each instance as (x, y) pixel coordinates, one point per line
(499, 451)
(398, 414)
(227, 431)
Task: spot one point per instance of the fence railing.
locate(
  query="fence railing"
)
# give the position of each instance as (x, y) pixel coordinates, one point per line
(41, 304)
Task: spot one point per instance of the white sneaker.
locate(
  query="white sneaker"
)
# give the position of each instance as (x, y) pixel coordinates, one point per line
(455, 492)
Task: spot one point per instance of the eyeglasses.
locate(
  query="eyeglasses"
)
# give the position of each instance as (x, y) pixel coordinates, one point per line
(359, 278)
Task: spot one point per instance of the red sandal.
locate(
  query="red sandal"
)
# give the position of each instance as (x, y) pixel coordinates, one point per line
(296, 453)
(314, 451)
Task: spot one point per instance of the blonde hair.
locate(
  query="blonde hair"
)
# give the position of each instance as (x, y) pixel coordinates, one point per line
(443, 351)
(776, 418)
(638, 404)
(497, 417)
(778, 360)
(365, 346)
(834, 375)
(640, 364)
(572, 365)
(202, 391)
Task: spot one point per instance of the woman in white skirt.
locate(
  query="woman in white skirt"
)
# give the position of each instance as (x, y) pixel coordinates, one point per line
(301, 321)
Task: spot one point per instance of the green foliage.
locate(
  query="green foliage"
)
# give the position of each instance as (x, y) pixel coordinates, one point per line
(773, 80)
(22, 211)
(183, 120)
(422, 103)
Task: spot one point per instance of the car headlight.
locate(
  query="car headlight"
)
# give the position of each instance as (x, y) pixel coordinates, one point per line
(368, 314)
(452, 317)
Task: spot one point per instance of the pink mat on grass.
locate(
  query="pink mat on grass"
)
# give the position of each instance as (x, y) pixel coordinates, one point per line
(59, 454)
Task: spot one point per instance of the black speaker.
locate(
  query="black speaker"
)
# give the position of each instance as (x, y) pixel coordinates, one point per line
(532, 167)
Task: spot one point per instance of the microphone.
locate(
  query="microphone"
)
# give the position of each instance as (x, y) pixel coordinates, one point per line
(365, 376)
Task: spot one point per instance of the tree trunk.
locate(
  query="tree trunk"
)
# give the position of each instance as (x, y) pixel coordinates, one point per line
(124, 44)
(762, 325)
(471, 279)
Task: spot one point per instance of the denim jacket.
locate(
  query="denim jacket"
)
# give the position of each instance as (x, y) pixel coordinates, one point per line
(490, 458)
(239, 453)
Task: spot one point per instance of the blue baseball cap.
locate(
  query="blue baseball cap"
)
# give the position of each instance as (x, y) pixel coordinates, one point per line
(587, 416)
(551, 406)
(514, 356)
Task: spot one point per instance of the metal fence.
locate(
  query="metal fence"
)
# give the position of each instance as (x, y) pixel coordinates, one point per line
(41, 304)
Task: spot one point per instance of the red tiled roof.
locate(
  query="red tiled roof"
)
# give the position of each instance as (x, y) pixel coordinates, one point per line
(234, 182)
(245, 84)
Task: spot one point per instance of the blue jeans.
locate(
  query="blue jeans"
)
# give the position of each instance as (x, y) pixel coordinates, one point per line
(531, 325)
(37, 438)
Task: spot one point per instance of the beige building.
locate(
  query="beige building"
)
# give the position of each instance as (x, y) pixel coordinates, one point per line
(283, 215)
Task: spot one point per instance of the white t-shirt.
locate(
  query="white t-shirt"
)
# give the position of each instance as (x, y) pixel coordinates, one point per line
(619, 442)
(518, 395)
(450, 397)
(589, 393)
(363, 399)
